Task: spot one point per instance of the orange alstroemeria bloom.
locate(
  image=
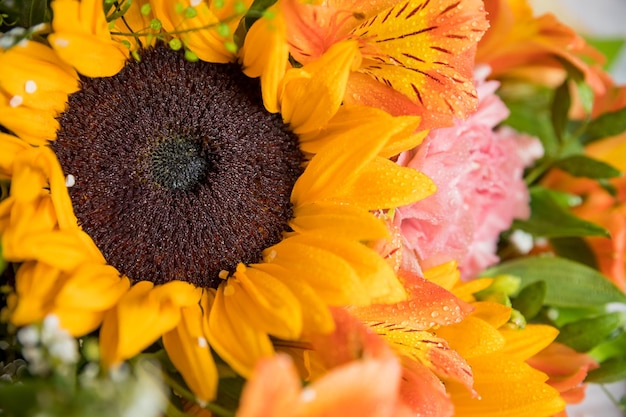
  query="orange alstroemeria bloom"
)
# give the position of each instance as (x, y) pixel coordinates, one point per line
(566, 368)
(363, 383)
(417, 55)
(519, 44)
(504, 385)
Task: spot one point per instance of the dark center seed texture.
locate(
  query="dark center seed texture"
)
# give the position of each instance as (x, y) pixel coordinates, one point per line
(180, 171)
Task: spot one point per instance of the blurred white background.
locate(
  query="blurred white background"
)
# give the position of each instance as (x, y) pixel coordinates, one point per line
(606, 19)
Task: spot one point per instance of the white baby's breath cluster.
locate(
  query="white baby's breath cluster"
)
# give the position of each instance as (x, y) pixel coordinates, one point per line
(48, 347)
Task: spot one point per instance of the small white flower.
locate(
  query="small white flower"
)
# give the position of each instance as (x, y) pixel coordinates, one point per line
(28, 336)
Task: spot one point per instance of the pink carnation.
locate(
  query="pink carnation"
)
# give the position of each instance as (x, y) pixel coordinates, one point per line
(479, 175)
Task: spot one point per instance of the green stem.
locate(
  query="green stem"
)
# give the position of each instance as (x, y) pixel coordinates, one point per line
(537, 172)
(612, 398)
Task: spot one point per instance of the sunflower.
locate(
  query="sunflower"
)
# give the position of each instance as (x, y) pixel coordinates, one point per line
(154, 196)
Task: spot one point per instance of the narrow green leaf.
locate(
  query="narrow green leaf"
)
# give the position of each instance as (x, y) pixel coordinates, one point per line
(606, 125)
(584, 335)
(613, 370)
(549, 218)
(561, 103)
(569, 284)
(584, 166)
(530, 299)
(575, 249)
(560, 316)
(585, 95)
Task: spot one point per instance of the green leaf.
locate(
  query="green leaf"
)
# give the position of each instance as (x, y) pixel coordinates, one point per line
(609, 47)
(19, 399)
(574, 248)
(569, 284)
(584, 335)
(606, 125)
(530, 299)
(3, 262)
(530, 113)
(560, 316)
(609, 349)
(26, 13)
(561, 103)
(585, 95)
(549, 218)
(613, 370)
(584, 166)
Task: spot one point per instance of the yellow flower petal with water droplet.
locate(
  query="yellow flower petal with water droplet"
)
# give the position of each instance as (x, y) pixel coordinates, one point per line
(336, 220)
(523, 343)
(331, 276)
(383, 184)
(81, 38)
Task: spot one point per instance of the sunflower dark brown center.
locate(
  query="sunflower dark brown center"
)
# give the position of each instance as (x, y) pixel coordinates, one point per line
(180, 173)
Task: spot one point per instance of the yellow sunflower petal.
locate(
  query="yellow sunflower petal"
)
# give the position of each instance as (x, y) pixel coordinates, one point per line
(444, 275)
(466, 290)
(383, 184)
(506, 388)
(35, 74)
(63, 250)
(93, 287)
(331, 276)
(348, 117)
(472, 337)
(11, 146)
(376, 275)
(81, 38)
(78, 322)
(238, 343)
(188, 349)
(35, 284)
(266, 301)
(312, 94)
(141, 316)
(265, 54)
(315, 313)
(207, 43)
(521, 344)
(339, 163)
(37, 127)
(338, 221)
(493, 313)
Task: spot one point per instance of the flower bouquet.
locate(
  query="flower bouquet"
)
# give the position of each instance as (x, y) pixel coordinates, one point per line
(305, 208)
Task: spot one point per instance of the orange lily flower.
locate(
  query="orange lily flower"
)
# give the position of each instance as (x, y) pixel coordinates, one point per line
(567, 370)
(417, 55)
(519, 44)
